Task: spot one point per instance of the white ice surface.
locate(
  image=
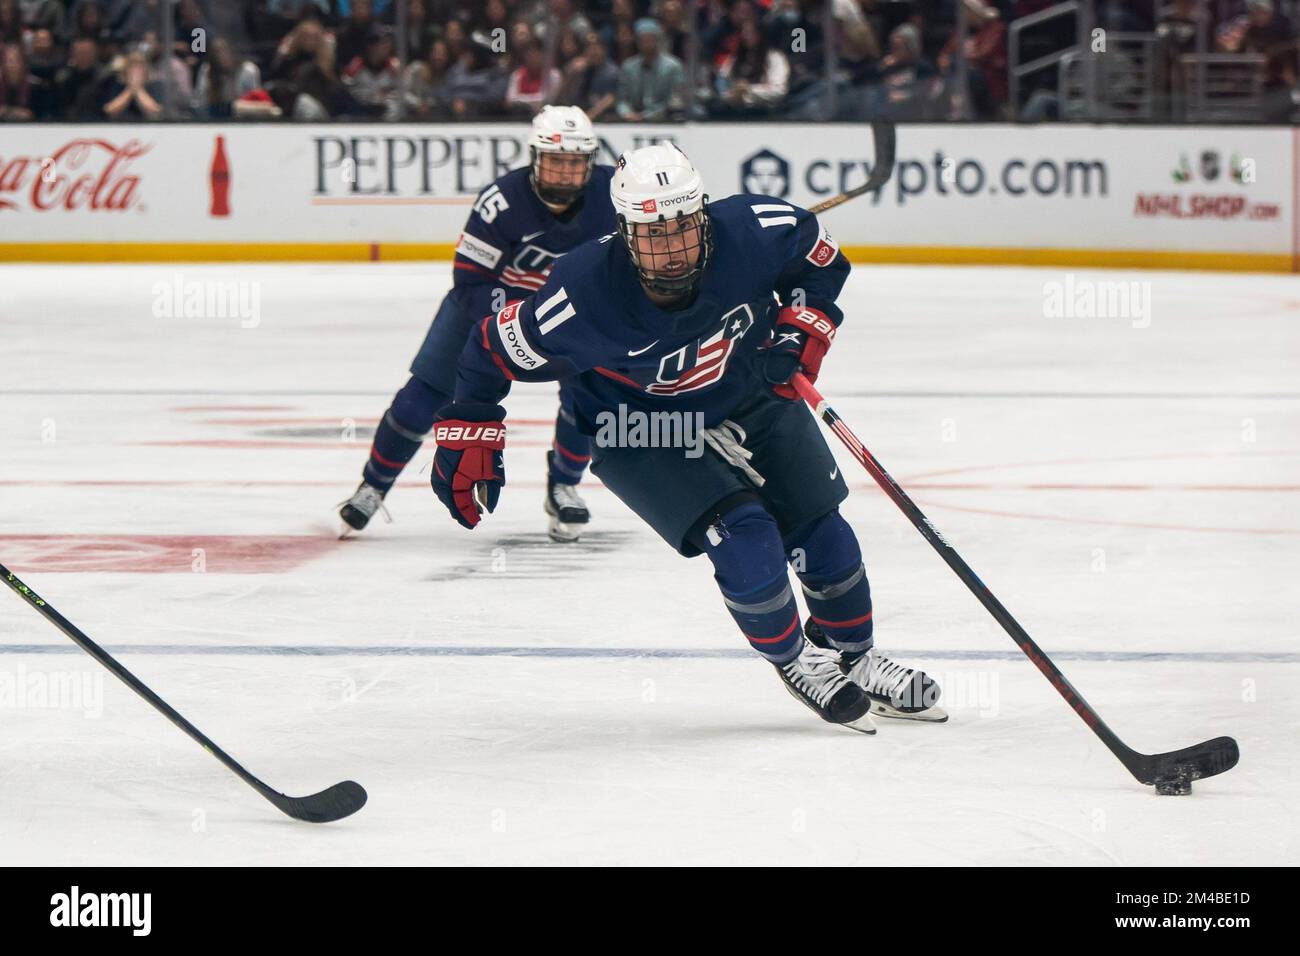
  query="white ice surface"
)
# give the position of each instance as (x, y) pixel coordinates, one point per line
(1125, 491)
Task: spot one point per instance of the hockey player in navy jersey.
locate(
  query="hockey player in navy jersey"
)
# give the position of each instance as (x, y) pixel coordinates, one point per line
(517, 229)
(700, 311)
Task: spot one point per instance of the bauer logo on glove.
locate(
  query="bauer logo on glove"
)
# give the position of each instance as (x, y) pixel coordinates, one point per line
(469, 467)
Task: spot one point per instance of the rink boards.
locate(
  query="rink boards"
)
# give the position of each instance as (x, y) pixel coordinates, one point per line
(1105, 196)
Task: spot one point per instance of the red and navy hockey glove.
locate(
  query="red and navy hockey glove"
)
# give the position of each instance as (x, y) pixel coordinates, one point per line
(471, 440)
(799, 341)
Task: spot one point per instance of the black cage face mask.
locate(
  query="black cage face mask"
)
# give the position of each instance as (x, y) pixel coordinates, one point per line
(663, 258)
(560, 194)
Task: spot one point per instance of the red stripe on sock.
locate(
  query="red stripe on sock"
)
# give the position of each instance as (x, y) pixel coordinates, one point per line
(774, 640)
(399, 465)
(853, 623)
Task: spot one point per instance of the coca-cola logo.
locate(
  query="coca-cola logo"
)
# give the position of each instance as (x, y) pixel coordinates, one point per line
(91, 174)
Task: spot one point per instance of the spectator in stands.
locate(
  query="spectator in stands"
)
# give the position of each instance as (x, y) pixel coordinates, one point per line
(651, 83)
(532, 85)
(222, 79)
(475, 86)
(20, 92)
(11, 22)
(42, 15)
(1271, 35)
(1178, 27)
(590, 80)
(374, 77)
(166, 69)
(426, 95)
(720, 40)
(304, 82)
(45, 58)
(786, 21)
(672, 16)
(76, 85)
(351, 39)
(129, 20)
(495, 16)
(522, 39)
(380, 9)
(907, 88)
(190, 25)
(753, 80)
(624, 46)
(456, 34)
(565, 16)
(129, 94)
(986, 58)
(88, 20)
(420, 30)
(622, 18)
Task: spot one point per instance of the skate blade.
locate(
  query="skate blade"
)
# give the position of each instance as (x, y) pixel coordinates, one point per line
(863, 725)
(564, 533)
(931, 715)
(346, 530)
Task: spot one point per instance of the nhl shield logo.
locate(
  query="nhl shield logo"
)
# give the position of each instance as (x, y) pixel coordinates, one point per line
(1210, 165)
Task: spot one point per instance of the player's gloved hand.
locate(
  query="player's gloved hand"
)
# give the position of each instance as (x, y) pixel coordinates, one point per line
(799, 342)
(471, 440)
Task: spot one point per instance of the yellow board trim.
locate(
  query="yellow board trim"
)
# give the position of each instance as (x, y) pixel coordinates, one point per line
(417, 251)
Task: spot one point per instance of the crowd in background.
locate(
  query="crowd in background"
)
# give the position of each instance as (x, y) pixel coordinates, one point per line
(620, 60)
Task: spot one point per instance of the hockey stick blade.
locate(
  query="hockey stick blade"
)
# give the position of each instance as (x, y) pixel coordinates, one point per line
(882, 167)
(335, 803)
(1207, 759)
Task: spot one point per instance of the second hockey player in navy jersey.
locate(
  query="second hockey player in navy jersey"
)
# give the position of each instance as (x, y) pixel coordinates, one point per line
(691, 318)
(518, 228)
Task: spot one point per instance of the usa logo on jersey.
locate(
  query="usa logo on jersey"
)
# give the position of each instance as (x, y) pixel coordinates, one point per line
(704, 361)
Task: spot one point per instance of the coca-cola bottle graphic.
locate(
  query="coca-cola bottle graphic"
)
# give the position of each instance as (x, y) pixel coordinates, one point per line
(220, 180)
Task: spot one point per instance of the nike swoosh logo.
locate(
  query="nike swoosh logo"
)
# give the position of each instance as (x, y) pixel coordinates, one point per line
(646, 349)
(835, 471)
(532, 235)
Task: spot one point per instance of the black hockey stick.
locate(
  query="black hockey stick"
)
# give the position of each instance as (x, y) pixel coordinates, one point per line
(1171, 772)
(882, 168)
(341, 800)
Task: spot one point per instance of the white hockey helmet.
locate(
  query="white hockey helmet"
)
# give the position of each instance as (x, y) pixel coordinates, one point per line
(564, 130)
(658, 184)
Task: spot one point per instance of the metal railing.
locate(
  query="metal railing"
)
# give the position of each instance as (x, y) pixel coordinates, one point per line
(1223, 87)
(1015, 33)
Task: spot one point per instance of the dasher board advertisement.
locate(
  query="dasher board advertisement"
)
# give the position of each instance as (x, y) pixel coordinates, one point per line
(1214, 197)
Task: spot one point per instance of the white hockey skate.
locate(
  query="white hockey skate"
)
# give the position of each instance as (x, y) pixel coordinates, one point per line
(357, 511)
(567, 510)
(815, 679)
(895, 690)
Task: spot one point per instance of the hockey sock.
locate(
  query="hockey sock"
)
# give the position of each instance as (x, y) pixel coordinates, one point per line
(827, 559)
(750, 567)
(401, 432)
(571, 452)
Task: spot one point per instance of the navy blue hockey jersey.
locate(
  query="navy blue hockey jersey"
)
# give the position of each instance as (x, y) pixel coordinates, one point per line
(511, 238)
(592, 320)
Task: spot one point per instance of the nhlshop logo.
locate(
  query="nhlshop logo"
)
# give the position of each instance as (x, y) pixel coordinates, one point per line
(121, 910)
